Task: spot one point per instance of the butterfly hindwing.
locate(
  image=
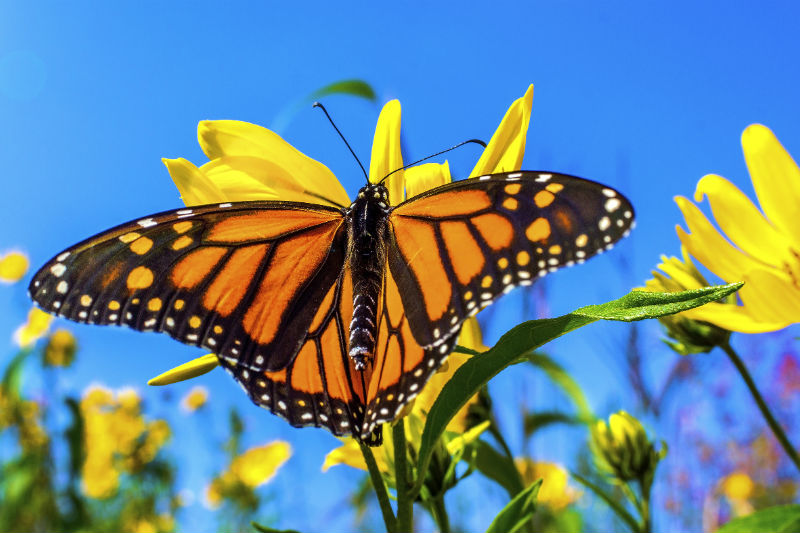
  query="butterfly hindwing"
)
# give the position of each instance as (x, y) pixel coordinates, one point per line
(243, 280)
(457, 247)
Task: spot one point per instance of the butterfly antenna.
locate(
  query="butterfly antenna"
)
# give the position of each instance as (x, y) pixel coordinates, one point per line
(475, 141)
(317, 104)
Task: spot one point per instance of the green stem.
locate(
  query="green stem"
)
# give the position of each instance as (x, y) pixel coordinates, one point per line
(440, 514)
(380, 488)
(644, 508)
(773, 424)
(405, 503)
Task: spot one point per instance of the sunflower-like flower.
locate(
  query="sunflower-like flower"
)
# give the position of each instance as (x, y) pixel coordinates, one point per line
(249, 162)
(765, 253)
(13, 266)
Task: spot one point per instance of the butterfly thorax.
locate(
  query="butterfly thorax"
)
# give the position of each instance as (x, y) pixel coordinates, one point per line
(367, 225)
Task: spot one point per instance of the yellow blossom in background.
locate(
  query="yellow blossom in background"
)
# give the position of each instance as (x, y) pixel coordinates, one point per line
(258, 465)
(194, 399)
(764, 253)
(13, 266)
(35, 328)
(555, 492)
(117, 438)
(250, 470)
(60, 349)
(737, 486)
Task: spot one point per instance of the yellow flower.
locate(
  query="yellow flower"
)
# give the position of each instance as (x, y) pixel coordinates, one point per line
(117, 438)
(690, 336)
(737, 486)
(555, 491)
(249, 470)
(766, 255)
(60, 349)
(13, 266)
(258, 465)
(194, 399)
(35, 328)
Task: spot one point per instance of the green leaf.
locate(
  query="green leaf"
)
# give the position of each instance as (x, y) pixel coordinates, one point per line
(779, 519)
(497, 467)
(358, 88)
(478, 370)
(265, 529)
(517, 512)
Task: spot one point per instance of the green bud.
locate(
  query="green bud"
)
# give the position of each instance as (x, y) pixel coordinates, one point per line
(623, 450)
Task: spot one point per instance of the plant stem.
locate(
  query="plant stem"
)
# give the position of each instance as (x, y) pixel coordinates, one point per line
(405, 503)
(773, 424)
(440, 513)
(380, 488)
(644, 508)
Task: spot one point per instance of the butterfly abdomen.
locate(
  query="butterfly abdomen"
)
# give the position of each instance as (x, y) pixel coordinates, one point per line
(367, 220)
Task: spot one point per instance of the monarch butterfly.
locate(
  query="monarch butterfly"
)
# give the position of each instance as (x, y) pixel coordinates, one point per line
(334, 317)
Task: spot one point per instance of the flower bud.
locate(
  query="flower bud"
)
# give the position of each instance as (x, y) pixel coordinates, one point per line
(622, 449)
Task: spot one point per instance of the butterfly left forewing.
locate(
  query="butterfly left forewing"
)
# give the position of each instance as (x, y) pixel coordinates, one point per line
(237, 279)
(458, 247)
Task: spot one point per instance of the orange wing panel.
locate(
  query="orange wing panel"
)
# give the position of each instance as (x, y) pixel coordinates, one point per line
(293, 263)
(229, 287)
(461, 244)
(265, 225)
(446, 204)
(416, 241)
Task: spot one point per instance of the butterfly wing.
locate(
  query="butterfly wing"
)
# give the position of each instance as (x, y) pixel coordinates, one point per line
(457, 247)
(243, 280)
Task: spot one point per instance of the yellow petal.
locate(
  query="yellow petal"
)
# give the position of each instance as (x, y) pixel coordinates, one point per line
(422, 178)
(189, 370)
(348, 454)
(258, 465)
(194, 186)
(471, 336)
(246, 178)
(775, 176)
(733, 318)
(37, 325)
(13, 266)
(386, 153)
(220, 138)
(673, 268)
(507, 147)
(709, 247)
(770, 295)
(741, 221)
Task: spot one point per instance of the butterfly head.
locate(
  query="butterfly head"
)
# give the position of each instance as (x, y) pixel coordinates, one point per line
(373, 195)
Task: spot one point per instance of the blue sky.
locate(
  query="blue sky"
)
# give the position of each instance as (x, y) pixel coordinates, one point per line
(642, 96)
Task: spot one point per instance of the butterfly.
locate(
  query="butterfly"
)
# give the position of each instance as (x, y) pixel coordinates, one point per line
(329, 316)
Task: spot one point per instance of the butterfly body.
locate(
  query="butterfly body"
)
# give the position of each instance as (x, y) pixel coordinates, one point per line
(334, 316)
(367, 220)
